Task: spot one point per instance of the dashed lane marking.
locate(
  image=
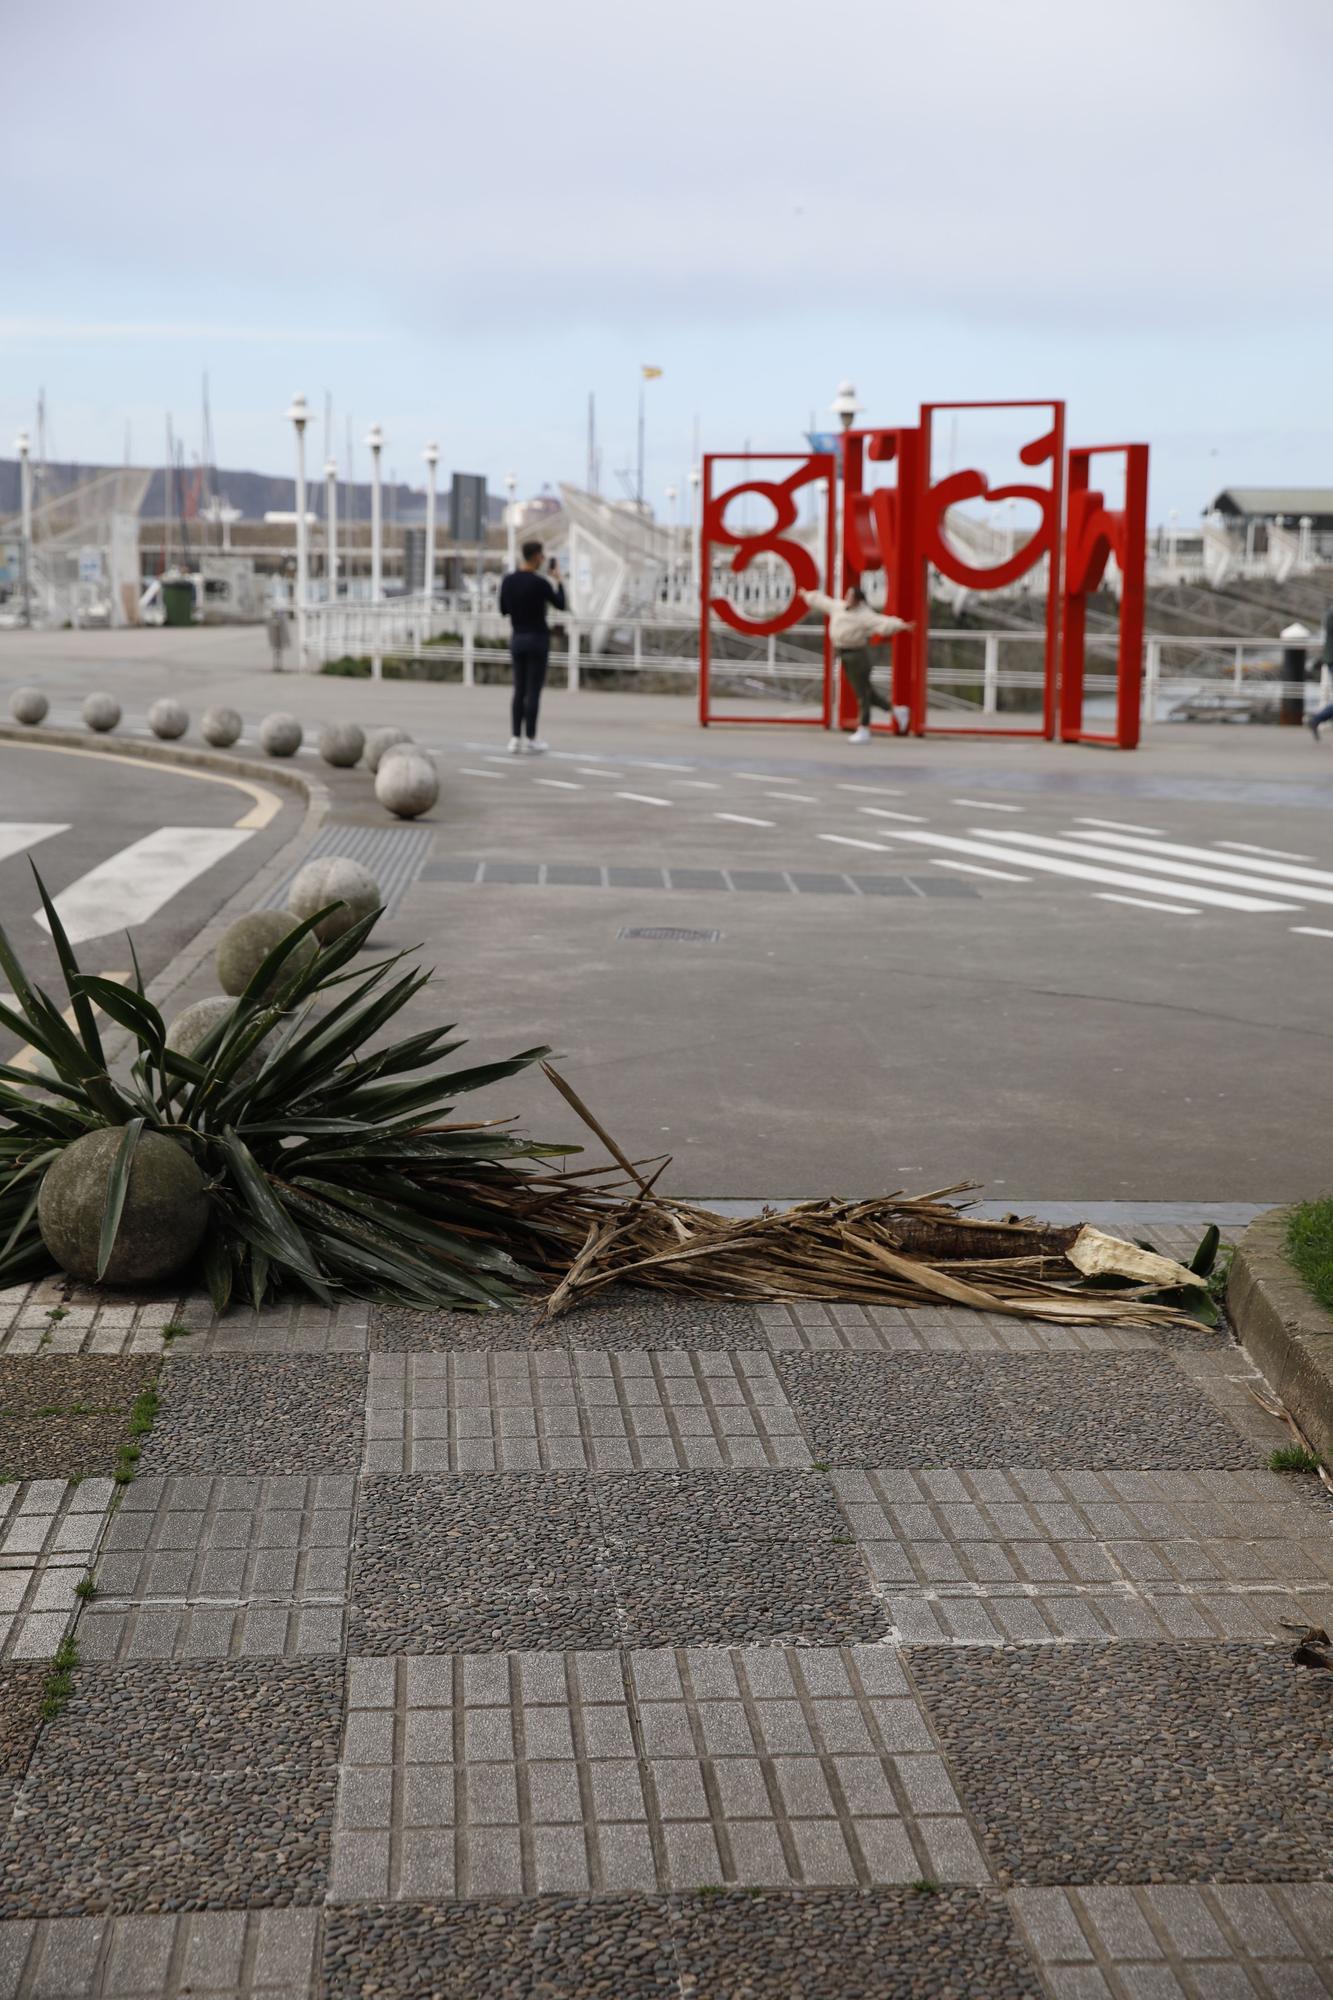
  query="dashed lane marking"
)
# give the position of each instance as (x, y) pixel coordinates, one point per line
(560, 784)
(884, 812)
(597, 771)
(701, 784)
(743, 819)
(132, 885)
(470, 771)
(1120, 826)
(1309, 930)
(845, 840)
(18, 836)
(1083, 871)
(801, 798)
(987, 806)
(1273, 853)
(975, 868)
(1142, 903)
(644, 799)
(879, 791)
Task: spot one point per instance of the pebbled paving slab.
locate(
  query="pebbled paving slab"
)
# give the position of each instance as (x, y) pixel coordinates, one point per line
(178, 1787)
(64, 1417)
(1138, 1763)
(283, 1413)
(512, 1774)
(561, 1947)
(1093, 1410)
(224, 1955)
(614, 1321)
(21, 1691)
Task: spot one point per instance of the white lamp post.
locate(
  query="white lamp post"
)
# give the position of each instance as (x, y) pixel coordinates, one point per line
(1173, 516)
(300, 416)
(845, 406)
(22, 447)
(375, 439)
(331, 526)
(672, 525)
(432, 457)
(511, 524)
(696, 482)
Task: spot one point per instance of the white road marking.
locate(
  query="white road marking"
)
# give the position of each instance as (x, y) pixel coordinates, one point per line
(646, 764)
(989, 850)
(494, 757)
(267, 805)
(701, 784)
(1309, 930)
(757, 777)
(973, 868)
(17, 836)
(884, 812)
(560, 784)
(1290, 882)
(644, 799)
(845, 840)
(801, 798)
(133, 885)
(1289, 871)
(469, 771)
(596, 771)
(880, 791)
(1142, 903)
(743, 819)
(987, 805)
(1120, 825)
(30, 1058)
(1273, 853)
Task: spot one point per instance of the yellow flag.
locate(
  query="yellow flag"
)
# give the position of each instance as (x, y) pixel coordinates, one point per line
(650, 374)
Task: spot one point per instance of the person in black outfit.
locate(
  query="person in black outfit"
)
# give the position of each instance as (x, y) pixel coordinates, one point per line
(525, 598)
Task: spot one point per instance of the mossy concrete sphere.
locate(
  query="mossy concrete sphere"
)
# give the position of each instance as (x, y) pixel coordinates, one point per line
(407, 783)
(185, 1033)
(245, 944)
(28, 705)
(280, 735)
(341, 744)
(162, 1223)
(221, 727)
(380, 740)
(101, 712)
(168, 719)
(334, 879)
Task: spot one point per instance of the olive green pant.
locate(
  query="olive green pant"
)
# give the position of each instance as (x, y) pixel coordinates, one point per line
(856, 664)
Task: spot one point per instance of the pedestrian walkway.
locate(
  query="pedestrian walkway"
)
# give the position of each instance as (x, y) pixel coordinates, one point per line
(665, 1649)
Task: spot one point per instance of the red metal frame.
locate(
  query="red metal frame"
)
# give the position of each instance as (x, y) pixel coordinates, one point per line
(879, 531)
(936, 498)
(774, 540)
(1093, 534)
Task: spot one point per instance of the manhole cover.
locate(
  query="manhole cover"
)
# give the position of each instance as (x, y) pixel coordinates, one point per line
(665, 934)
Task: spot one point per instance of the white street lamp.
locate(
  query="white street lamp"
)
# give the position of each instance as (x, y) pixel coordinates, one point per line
(696, 482)
(672, 524)
(432, 457)
(511, 523)
(375, 439)
(22, 446)
(300, 416)
(1173, 515)
(845, 406)
(331, 526)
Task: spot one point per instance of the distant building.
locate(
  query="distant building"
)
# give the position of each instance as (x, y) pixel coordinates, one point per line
(1263, 505)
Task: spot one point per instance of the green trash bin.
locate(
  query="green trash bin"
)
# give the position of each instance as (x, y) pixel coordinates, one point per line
(177, 600)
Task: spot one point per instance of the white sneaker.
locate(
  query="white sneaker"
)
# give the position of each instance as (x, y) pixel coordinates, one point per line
(537, 747)
(861, 735)
(515, 745)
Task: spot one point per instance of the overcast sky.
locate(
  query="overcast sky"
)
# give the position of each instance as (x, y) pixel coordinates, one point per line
(461, 219)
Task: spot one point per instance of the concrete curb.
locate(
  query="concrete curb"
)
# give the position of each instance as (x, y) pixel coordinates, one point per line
(277, 775)
(1285, 1333)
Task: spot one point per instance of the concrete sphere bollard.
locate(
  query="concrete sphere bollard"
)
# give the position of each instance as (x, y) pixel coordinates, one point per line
(334, 879)
(221, 727)
(28, 705)
(379, 742)
(189, 1028)
(407, 783)
(101, 712)
(280, 735)
(161, 1225)
(245, 944)
(168, 719)
(341, 744)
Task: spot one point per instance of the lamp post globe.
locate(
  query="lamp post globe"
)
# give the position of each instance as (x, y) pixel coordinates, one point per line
(511, 523)
(23, 446)
(845, 406)
(432, 457)
(298, 416)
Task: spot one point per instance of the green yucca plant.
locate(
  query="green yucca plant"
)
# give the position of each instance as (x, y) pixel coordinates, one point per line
(333, 1167)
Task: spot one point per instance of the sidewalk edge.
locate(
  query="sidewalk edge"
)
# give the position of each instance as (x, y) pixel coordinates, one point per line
(1284, 1332)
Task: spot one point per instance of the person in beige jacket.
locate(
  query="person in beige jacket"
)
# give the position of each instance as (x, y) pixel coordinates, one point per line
(852, 625)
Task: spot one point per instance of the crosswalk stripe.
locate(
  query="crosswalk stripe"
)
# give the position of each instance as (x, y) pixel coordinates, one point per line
(644, 799)
(1289, 871)
(885, 812)
(975, 868)
(1084, 871)
(1222, 870)
(1142, 903)
(743, 819)
(133, 885)
(1120, 825)
(845, 840)
(17, 836)
(1273, 853)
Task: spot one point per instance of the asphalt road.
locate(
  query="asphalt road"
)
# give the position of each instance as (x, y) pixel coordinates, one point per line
(123, 844)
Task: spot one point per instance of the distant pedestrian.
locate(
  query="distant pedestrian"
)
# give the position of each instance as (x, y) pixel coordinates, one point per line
(1314, 723)
(278, 635)
(852, 625)
(525, 598)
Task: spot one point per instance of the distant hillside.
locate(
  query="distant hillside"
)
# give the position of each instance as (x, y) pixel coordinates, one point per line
(255, 493)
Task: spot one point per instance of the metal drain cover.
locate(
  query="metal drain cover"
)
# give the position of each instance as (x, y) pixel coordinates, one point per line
(666, 934)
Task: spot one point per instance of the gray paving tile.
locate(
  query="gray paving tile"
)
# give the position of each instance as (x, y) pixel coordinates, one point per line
(830, 1327)
(518, 1411)
(1199, 1940)
(1126, 1763)
(49, 1531)
(231, 1956)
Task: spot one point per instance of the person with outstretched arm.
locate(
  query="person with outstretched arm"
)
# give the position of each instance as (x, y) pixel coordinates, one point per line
(525, 598)
(852, 625)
